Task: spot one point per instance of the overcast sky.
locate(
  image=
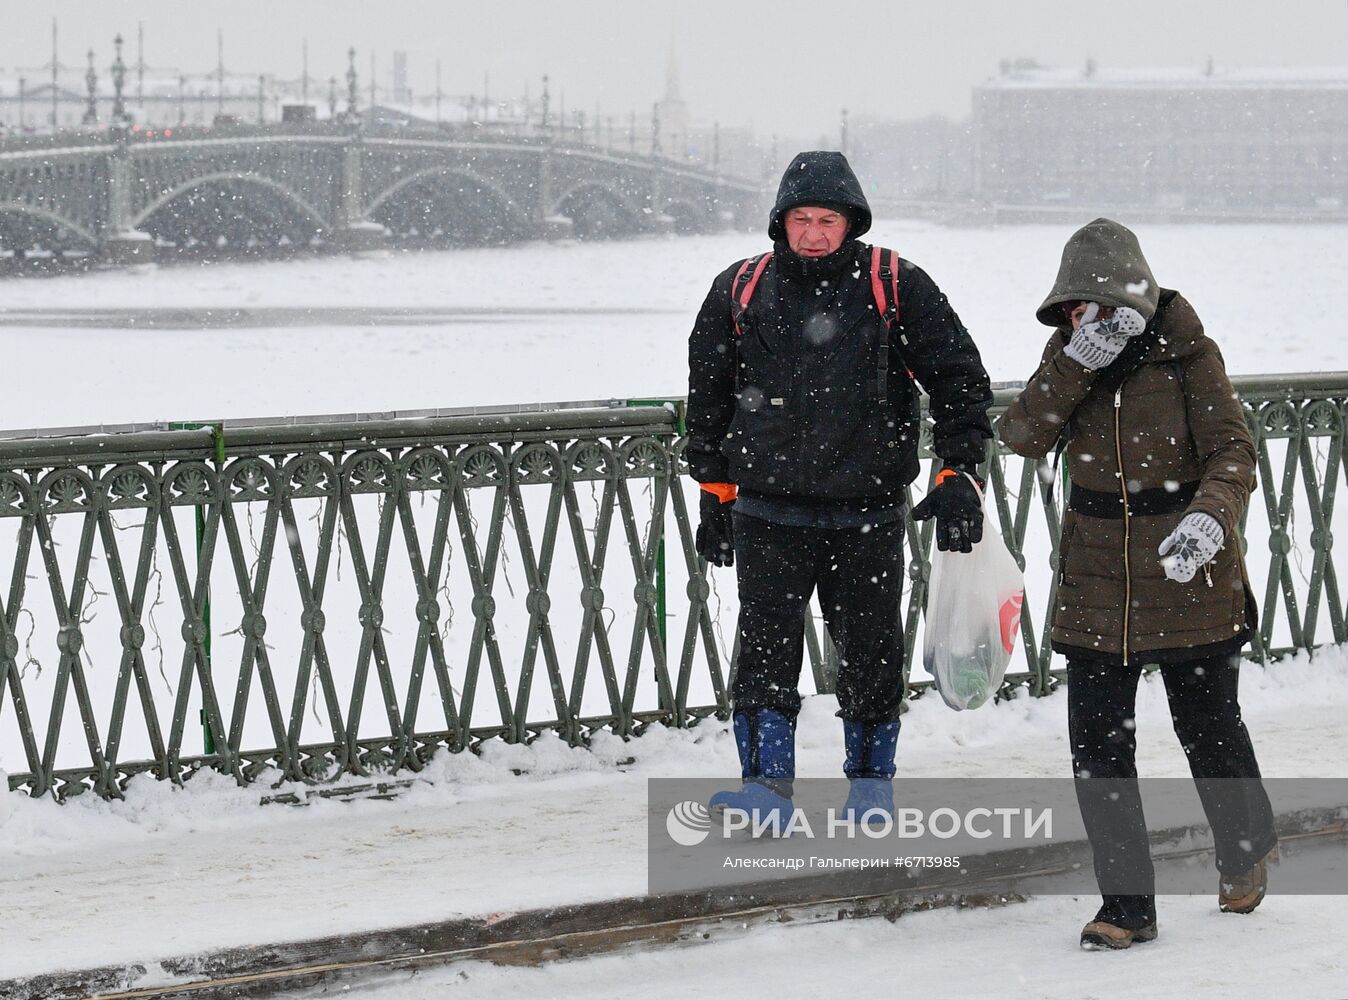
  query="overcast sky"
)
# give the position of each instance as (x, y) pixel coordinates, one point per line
(783, 66)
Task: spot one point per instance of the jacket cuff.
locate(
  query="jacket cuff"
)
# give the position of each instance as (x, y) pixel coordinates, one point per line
(707, 468)
(1074, 369)
(956, 470)
(965, 452)
(725, 492)
(1218, 511)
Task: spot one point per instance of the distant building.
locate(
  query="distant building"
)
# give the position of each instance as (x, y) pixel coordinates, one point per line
(930, 159)
(1204, 141)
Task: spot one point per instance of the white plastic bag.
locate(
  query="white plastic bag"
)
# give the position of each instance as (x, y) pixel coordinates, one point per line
(973, 617)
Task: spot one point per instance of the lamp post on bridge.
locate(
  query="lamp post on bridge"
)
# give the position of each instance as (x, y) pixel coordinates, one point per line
(23, 88)
(55, 80)
(121, 242)
(118, 82)
(91, 82)
(354, 231)
(140, 67)
(219, 71)
(659, 220)
(549, 226)
(351, 83)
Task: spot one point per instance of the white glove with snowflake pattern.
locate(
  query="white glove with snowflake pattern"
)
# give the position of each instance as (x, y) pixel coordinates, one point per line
(1192, 545)
(1097, 342)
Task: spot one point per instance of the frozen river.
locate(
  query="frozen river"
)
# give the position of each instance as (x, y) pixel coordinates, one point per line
(567, 321)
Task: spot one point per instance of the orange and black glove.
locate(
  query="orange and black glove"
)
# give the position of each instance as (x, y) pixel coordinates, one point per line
(715, 534)
(957, 508)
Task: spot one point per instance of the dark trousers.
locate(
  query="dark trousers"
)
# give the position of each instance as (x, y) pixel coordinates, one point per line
(859, 574)
(1206, 715)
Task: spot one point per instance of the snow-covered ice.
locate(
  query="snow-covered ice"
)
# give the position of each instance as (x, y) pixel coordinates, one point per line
(541, 323)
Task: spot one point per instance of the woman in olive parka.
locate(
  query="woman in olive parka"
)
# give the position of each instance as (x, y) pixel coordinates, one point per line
(1150, 568)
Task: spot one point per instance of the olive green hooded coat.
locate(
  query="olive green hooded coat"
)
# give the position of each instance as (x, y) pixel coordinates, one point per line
(1158, 427)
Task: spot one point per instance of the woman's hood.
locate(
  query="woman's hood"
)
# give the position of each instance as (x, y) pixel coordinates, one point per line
(1102, 262)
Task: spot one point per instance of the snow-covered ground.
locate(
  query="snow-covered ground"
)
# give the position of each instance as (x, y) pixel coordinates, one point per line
(1027, 950)
(172, 871)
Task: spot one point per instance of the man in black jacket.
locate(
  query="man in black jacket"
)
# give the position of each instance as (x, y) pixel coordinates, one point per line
(803, 419)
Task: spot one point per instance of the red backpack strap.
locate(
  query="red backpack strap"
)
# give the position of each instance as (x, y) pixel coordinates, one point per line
(742, 288)
(885, 283)
(885, 288)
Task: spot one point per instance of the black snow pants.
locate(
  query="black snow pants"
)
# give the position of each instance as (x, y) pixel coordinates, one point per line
(1206, 715)
(859, 573)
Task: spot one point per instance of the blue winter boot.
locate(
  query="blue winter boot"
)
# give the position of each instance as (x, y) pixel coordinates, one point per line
(870, 768)
(766, 741)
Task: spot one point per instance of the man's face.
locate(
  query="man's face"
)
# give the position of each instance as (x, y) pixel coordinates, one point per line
(812, 231)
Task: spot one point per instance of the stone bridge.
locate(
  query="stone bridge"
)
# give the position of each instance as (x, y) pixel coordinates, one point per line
(117, 194)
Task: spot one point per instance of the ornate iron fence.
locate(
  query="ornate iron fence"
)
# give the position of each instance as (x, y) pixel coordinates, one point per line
(312, 574)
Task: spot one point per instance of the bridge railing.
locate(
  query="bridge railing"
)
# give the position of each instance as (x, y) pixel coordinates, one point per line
(513, 133)
(327, 597)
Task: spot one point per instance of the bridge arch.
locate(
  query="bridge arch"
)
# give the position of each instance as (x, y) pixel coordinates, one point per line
(446, 204)
(10, 210)
(238, 208)
(598, 211)
(690, 217)
(231, 177)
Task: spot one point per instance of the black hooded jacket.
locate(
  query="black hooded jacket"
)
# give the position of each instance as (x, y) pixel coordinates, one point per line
(791, 407)
(825, 178)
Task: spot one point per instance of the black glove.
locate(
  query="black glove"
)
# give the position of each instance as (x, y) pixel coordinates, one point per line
(715, 536)
(957, 509)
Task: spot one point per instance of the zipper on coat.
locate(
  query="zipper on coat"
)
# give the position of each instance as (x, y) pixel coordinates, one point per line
(1207, 573)
(1123, 492)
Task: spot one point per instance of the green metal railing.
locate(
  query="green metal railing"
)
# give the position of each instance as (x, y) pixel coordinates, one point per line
(566, 533)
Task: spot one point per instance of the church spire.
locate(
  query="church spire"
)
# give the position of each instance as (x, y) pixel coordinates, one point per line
(672, 95)
(674, 118)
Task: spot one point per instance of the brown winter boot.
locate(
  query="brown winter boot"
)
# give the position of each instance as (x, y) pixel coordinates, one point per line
(1099, 935)
(1242, 893)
